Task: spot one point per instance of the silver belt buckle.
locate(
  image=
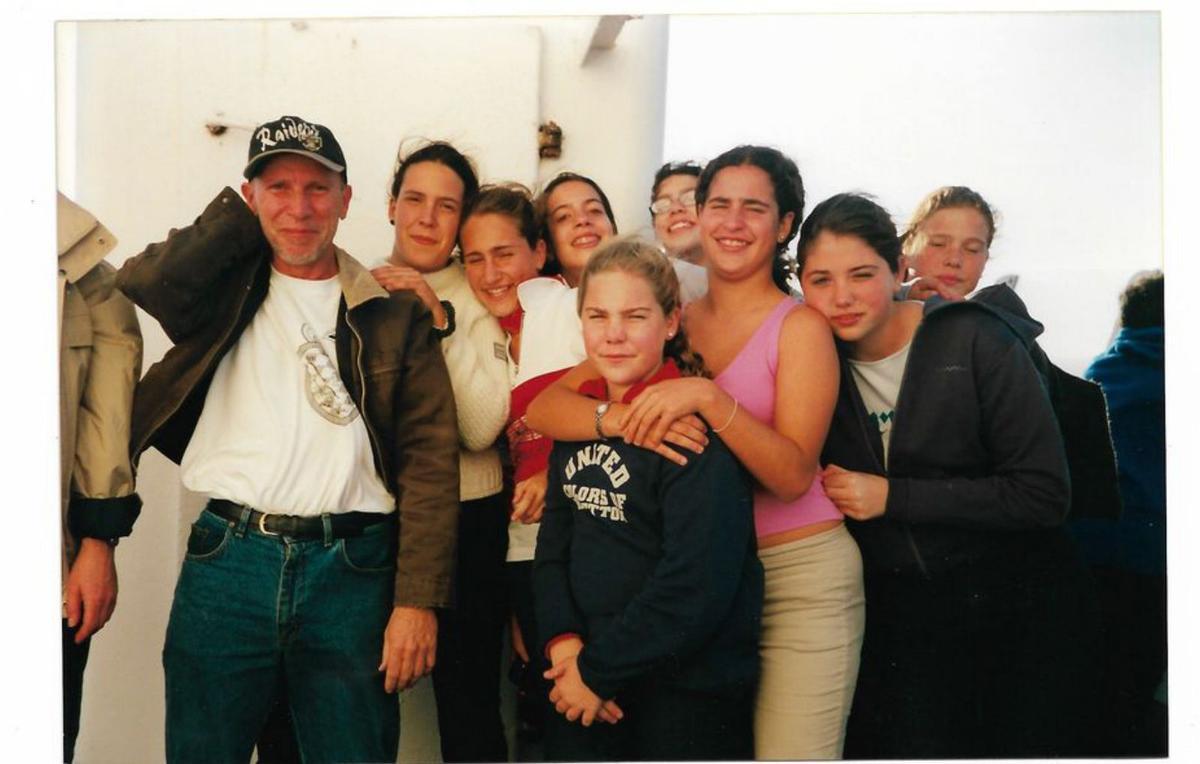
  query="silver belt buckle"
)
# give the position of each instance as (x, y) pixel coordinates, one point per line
(262, 525)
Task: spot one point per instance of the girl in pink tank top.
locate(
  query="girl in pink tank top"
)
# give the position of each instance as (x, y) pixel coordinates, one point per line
(772, 401)
(750, 379)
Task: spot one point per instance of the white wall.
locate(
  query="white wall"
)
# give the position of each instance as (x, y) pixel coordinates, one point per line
(1054, 118)
(132, 104)
(611, 110)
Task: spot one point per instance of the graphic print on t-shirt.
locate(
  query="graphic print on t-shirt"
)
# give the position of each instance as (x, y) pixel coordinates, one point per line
(878, 383)
(322, 385)
(597, 501)
(883, 421)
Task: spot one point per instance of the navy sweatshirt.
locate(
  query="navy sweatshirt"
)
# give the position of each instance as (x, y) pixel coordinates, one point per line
(654, 565)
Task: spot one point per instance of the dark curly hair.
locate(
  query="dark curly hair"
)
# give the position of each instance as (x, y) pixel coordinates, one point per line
(789, 194)
(1142, 301)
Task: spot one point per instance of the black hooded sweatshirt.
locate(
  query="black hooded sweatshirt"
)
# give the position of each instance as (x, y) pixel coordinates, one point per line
(975, 459)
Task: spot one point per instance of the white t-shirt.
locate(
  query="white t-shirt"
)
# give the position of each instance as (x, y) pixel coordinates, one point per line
(279, 431)
(693, 280)
(878, 383)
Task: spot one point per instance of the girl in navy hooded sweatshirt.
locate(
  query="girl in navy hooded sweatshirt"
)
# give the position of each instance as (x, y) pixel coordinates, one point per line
(646, 579)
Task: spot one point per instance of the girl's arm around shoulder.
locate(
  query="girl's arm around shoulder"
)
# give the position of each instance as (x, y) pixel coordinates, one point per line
(784, 458)
(1027, 485)
(561, 413)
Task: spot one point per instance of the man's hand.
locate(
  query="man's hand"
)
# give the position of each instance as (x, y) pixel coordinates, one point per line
(855, 494)
(409, 647)
(529, 498)
(396, 277)
(91, 588)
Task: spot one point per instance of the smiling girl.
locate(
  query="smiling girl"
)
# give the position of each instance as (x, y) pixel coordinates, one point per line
(947, 244)
(945, 454)
(576, 218)
(429, 189)
(502, 252)
(775, 384)
(673, 210)
(647, 584)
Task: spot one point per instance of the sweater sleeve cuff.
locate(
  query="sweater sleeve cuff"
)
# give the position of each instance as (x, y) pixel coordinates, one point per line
(595, 682)
(102, 518)
(897, 500)
(422, 591)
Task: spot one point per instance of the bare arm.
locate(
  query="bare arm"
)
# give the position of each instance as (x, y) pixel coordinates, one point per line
(560, 413)
(783, 458)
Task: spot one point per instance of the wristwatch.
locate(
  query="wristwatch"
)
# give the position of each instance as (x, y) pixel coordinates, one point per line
(601, 410)
(442, 334)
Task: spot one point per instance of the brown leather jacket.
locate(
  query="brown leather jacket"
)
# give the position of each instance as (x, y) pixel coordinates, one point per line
(205, 283)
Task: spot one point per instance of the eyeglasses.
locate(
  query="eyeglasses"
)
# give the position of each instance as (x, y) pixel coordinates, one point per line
(663, 204)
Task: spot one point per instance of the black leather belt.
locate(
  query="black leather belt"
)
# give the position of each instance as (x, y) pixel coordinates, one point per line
(341, 525)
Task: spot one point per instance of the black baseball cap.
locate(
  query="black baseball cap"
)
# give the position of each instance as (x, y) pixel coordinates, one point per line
(294, 135)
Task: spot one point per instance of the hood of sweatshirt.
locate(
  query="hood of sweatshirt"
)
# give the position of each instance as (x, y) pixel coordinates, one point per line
(999, 300)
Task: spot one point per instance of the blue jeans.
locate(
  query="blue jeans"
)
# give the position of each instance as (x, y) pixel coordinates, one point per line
(249, 607)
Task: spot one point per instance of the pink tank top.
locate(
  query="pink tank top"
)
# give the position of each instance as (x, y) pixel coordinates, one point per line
(751, 379)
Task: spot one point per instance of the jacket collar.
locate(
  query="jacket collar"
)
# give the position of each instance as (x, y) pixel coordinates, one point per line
(358, 285)
(83, 241)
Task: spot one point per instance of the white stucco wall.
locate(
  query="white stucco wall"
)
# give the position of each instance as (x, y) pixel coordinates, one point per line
(133, 101)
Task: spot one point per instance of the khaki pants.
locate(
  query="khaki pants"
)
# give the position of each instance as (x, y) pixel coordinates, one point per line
(813, 615)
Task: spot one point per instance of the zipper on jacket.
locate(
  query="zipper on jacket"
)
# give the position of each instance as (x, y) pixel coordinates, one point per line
(908, 534)
(362, 394)
(151, 432)
(907, 527)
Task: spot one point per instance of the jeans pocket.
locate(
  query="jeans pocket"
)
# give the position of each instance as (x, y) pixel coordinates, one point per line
(206, 540)
(372, 552)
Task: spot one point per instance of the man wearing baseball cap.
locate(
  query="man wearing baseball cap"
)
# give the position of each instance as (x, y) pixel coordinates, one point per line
(313, 408)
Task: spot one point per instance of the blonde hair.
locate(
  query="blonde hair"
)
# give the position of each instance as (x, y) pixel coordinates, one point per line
(638, 257)
(944, 198)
